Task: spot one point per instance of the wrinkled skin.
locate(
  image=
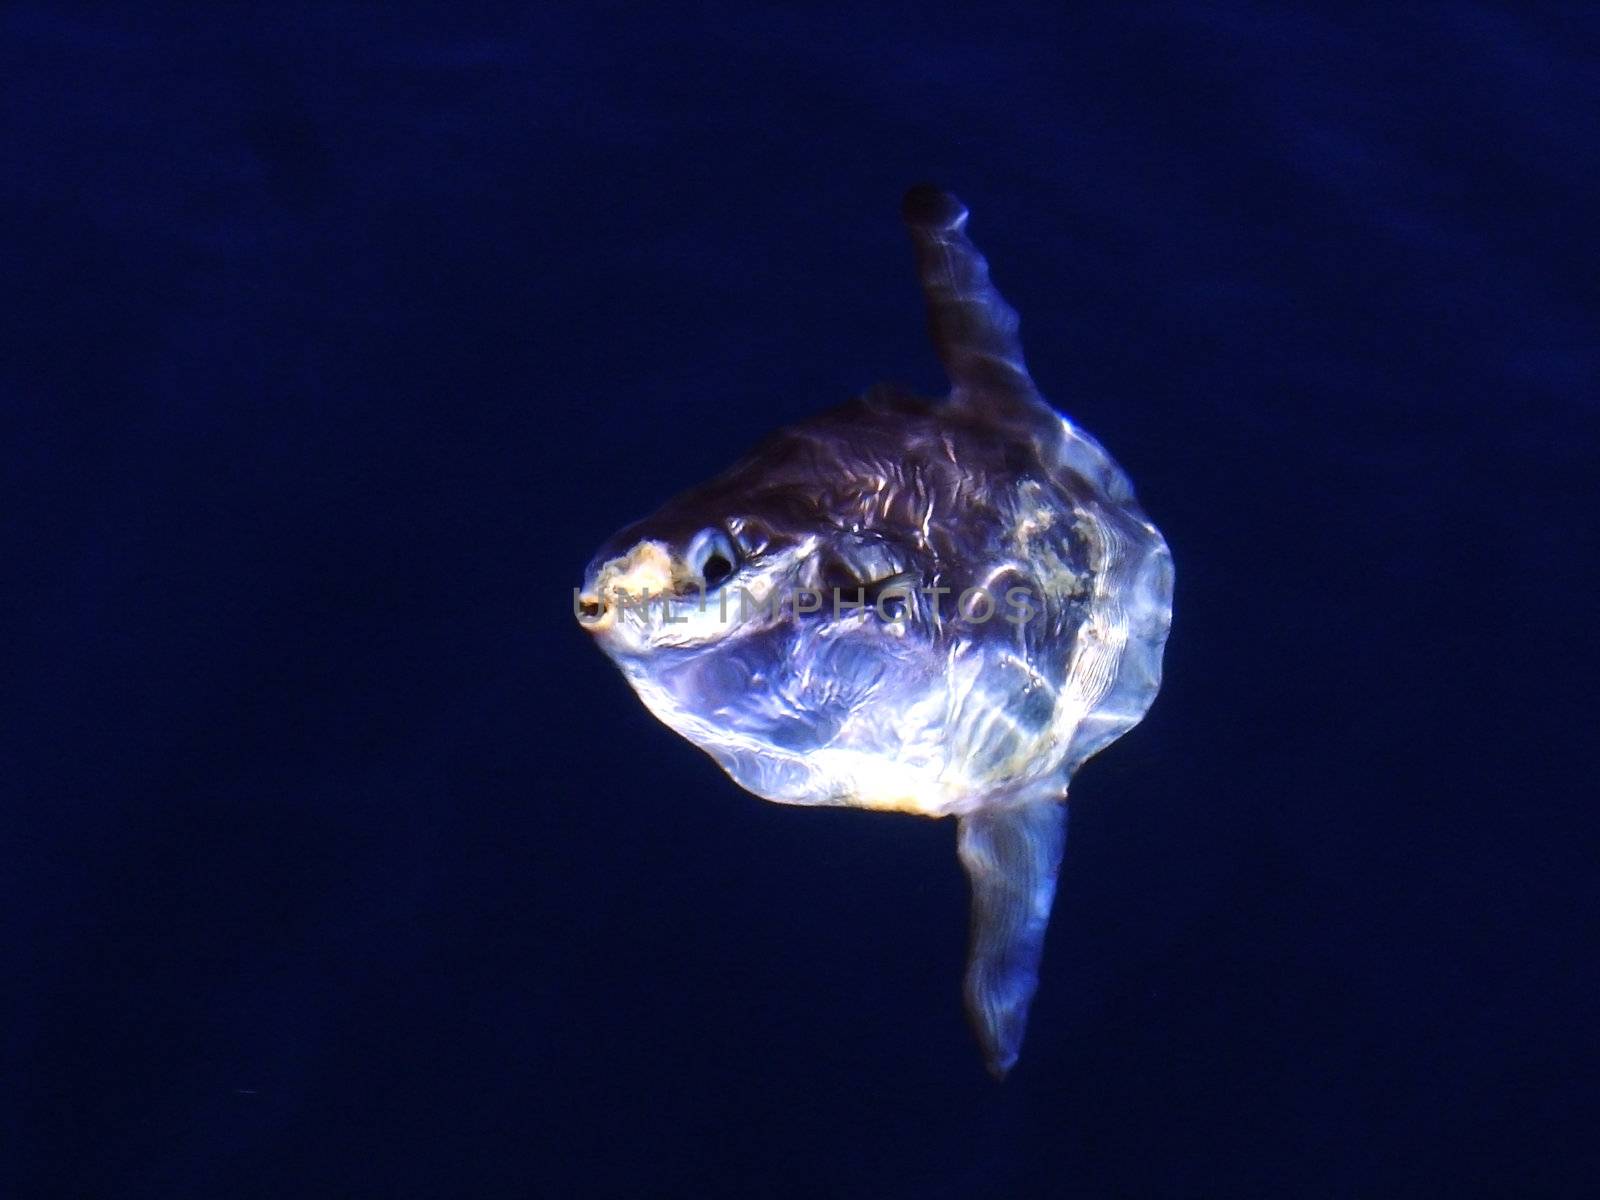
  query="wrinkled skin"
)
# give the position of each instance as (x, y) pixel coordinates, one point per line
(806, 624)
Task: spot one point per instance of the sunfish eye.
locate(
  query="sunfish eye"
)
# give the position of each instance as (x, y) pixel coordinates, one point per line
(712, 557)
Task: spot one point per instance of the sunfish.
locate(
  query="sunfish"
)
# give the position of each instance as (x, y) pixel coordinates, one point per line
(932, 606)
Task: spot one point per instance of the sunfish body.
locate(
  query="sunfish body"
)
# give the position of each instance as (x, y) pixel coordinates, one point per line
(935, 606)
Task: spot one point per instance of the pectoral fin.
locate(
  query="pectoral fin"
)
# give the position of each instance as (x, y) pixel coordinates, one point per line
(1011, 857)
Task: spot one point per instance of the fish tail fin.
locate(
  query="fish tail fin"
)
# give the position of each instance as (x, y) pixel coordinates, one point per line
(974, 330)
(1012, 856)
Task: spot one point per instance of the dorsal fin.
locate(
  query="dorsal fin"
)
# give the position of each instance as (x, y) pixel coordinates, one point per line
(974, 330)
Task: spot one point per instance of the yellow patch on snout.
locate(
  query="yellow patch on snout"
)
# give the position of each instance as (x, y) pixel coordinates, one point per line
(647, 570)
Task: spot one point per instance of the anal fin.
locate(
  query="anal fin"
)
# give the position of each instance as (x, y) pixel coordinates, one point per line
(1011, 856)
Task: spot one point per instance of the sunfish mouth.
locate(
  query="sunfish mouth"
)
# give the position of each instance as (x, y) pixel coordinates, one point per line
(646, 572)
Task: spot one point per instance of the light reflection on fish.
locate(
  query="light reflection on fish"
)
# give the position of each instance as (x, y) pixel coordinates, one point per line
(939, 607)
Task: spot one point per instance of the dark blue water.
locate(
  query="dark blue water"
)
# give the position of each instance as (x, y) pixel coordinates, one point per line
(335, 862)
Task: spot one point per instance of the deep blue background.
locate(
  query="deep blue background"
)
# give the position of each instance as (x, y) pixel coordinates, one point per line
(336, 863)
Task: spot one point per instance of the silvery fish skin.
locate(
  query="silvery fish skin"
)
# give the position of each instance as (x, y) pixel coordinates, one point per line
(933, 606)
